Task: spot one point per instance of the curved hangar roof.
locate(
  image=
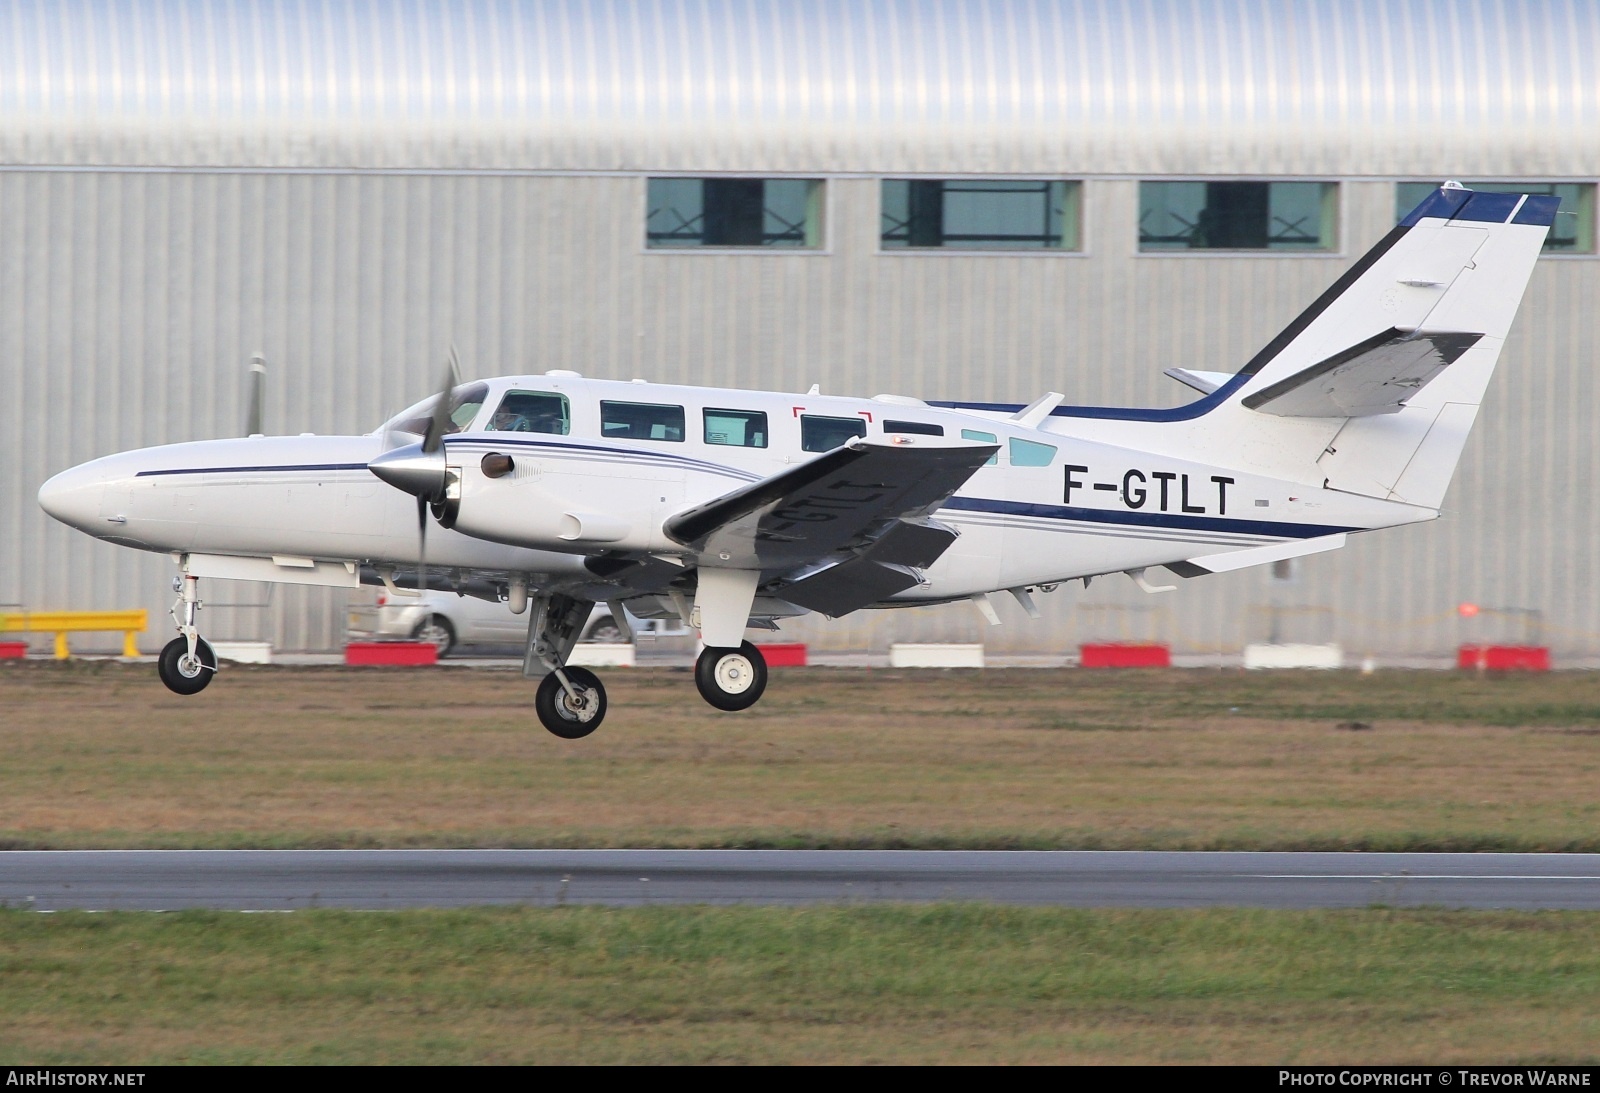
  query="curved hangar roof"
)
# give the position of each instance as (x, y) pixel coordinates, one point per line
(1365, 87)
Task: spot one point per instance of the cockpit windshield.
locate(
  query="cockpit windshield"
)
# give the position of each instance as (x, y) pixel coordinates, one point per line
(465, 402)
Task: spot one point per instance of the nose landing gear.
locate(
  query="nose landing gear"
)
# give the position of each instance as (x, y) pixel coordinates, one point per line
(188, 662)
(184, 672)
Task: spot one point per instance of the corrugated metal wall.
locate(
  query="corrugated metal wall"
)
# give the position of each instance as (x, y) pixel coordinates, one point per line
(185, 185)
(130, 301)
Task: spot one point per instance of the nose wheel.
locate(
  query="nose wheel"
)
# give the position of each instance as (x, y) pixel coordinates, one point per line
(731, 679)
(571, 713)
(185, 674)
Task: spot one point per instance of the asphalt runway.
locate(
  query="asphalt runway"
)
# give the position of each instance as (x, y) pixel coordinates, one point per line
(280, 880)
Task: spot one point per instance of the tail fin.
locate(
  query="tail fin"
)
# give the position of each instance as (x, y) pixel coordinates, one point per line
(1404, 344)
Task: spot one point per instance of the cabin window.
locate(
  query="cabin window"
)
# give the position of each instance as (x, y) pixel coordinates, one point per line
(739, 428)
(532, 412)
(921, 428)
(823, 434)
(985, 438)
(734, 212)
(640, 421)
(1573, 231)
(1266, 216)
(1027, 453)
(979, 214)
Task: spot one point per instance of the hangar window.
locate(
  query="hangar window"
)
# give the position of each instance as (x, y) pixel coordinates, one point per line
(739, 428)
(979, 214)
(734, 212)
(1573, 231)
(1247, 216)
(640, 421)
(823, 434)
(531, 412)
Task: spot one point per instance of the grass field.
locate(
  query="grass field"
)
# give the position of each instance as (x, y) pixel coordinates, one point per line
(952, 983)
(99, 754)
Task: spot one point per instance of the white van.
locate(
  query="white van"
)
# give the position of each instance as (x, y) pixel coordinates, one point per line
(450, 621)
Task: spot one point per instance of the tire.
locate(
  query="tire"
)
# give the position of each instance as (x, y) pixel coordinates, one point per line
(181, 675)
(556, 711)
(731, 679)
(437, 632)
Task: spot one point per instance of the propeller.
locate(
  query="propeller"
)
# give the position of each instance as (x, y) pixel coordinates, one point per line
(420, 468)
(252, 414)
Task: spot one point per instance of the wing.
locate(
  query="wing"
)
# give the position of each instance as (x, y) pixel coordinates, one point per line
(841, 531)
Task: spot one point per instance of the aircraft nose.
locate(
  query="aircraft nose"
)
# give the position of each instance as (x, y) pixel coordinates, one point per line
(73, 497)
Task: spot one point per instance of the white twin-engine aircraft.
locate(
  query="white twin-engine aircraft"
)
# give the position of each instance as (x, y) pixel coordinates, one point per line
(735, 509)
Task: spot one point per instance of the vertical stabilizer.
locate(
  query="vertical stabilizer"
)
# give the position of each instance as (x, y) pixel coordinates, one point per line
(1401, 349)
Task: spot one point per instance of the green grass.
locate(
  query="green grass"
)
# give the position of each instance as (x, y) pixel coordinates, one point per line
(946, 983)
(100, 755)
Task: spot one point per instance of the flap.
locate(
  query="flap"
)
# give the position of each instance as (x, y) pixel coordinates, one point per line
(842, 498)
(1376, 376)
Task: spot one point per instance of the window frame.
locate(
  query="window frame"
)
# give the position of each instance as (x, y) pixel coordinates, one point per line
(1015, 442)
(859, 422)
(705, 426)
(1078, 185)
(824, 205)
(683, 421)
(566, 411)
(1337, 247)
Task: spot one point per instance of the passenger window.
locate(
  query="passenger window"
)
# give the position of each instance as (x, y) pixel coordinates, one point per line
(640, 421)
(739, 428)
(1025, 453)
(823, 434)
(532, 412)
(986, 438)
(922, 428)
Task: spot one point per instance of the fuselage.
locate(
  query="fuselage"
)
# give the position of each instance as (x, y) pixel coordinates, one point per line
(598, 466)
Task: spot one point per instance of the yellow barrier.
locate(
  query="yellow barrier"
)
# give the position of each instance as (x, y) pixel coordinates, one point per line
(61, 623)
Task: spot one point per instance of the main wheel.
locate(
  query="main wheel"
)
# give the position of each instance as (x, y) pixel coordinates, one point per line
(437, 632)
(731, 679)
(182, 674)
(560, 714)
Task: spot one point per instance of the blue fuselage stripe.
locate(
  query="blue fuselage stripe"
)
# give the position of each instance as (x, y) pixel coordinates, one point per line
(1145, 519)
(256, 470)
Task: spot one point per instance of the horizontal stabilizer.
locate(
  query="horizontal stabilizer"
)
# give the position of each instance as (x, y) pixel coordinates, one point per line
(1204, 382)
(1231, 560)
(1376, 376)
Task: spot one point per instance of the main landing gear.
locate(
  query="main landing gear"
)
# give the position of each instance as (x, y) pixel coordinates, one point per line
(187, 663)
(570, 702)
(731, 679)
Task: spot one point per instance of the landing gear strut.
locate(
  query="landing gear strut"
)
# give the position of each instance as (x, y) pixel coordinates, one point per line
(731, 679)
(187, 663)
(570, 702)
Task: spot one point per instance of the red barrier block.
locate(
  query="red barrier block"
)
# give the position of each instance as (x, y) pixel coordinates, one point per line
(13, 650)
(406, 654)
(784, 654)
(1124, 654)
(1503, 658)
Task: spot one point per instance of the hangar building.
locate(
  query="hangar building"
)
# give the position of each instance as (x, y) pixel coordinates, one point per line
(958, 200)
